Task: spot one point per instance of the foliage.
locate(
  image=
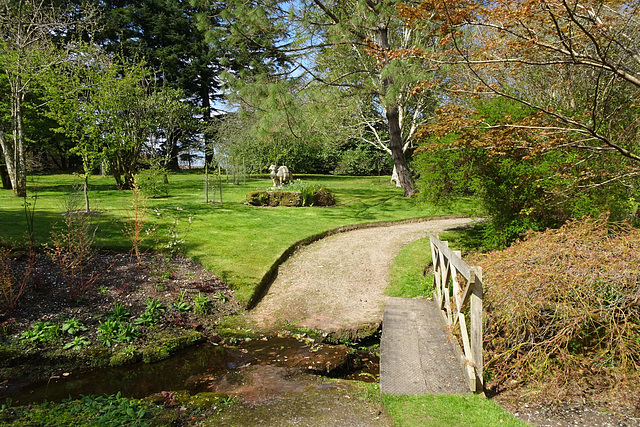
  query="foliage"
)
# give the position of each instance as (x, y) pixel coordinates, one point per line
(106, 410)
(151, 314)
(12, 282)
(28, 51)
(181, 306)
(116, 331)
(576, 76)
(119, 312)
(562, 308)
(362, 160)
(41, 332)
(73, 326)
(77, 343)
(202, 304)
(152, 182)
(520, 185)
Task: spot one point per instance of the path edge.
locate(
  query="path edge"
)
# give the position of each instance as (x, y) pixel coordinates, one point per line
(270, 276)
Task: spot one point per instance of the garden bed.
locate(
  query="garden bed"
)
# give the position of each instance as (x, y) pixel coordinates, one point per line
(132, 312)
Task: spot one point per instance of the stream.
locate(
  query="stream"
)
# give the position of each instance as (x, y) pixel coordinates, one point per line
(197, 369)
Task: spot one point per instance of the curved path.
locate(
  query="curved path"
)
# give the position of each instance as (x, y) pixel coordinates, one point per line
(337, 284)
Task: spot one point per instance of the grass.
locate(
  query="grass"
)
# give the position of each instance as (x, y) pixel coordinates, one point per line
(447, 411)
(407, 276)
(237, 242)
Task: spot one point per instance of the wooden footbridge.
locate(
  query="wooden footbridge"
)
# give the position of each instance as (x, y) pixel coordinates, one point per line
(435, 346)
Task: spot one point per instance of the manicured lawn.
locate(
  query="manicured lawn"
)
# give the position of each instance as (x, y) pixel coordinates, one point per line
(236, 241)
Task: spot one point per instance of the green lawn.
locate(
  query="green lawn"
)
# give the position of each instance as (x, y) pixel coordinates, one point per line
(447, 411)
(235, 241)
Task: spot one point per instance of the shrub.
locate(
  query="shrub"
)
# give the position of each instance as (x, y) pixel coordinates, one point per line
(153, 182)
(12, 281)
(563, 305)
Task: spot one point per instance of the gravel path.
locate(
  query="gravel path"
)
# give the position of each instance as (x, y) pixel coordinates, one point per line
(337, 284)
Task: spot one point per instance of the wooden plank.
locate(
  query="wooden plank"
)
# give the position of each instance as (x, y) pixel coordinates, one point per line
(457, 262)
(471, 374)
(476, 328)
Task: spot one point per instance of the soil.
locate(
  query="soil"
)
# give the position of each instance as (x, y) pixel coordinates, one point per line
(118, 279)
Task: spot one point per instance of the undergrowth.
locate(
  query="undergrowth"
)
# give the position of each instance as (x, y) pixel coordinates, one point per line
(562, 308)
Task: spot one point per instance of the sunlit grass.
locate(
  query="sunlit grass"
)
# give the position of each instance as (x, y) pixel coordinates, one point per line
(447, 411)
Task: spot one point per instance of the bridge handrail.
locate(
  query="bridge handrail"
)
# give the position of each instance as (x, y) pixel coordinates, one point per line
(448, 268)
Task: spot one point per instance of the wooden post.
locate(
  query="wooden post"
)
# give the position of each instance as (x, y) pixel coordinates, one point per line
(476, 328)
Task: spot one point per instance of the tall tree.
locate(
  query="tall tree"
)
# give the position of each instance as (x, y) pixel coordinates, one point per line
(575, 63)
(27, 51)
(336, 37)
(165, 34)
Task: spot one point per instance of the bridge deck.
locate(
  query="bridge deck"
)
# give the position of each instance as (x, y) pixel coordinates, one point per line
(415, 356)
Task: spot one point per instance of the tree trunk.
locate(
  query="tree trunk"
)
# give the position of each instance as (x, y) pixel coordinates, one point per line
(86, 192)
(399, 162)
(393, 122)
(6, 170)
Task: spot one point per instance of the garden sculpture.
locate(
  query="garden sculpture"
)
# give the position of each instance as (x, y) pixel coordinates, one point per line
(279, 175)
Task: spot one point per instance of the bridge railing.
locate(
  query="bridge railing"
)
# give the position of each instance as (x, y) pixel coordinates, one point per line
(458, 294)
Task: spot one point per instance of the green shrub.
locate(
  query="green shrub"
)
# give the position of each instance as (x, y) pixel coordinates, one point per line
(153, 182)
(519, 182)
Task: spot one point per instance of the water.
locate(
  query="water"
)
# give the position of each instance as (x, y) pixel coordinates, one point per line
(184, 369)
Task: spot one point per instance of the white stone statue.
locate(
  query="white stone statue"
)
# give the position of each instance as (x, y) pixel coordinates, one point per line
(279, 175)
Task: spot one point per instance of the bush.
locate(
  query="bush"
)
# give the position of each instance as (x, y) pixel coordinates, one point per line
(153, 182)
(563, 306)
(519, 184)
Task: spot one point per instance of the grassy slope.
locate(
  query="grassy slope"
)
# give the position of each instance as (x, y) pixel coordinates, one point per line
(236, 241)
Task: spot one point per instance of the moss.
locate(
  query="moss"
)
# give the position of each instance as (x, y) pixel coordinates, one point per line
(163, 348)
(274, 198)
(206, 400)
(11, 354)
(125, 357)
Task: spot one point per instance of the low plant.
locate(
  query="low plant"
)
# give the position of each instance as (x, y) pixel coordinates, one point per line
(135, 228)
(119, 312)
(41, 332)
(73, 326)
(181, 305)
(72, 251)
(151, 314)
(115, 331)
(78, 343)
(202, 304)
(220, 297)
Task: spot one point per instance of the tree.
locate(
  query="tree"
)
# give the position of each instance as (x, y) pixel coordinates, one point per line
(574, 63)
(27, 50)
(336, 37)
(112, 110)
(165, 34)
